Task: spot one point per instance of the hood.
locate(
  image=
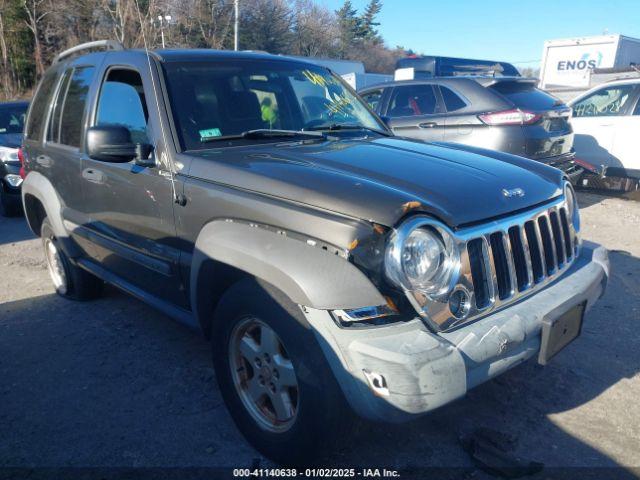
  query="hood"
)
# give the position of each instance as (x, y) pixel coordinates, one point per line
(382, 179)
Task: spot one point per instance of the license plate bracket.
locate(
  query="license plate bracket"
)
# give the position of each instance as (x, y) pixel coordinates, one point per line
(558, 332)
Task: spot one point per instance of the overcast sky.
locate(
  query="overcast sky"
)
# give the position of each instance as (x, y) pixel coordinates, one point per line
(513, 30)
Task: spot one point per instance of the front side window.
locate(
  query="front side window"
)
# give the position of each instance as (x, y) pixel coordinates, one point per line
(373, 99)
(218, 99)
(65, 126)
(413, 100)
(122, 102)
(608, 101)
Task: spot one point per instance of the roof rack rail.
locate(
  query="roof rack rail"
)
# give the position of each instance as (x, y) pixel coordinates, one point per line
(106, 44)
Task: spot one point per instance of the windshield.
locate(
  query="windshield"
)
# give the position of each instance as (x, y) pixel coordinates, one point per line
(230, 97)
(12, 118)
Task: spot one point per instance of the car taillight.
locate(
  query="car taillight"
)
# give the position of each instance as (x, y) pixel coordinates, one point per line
(23, 173)
(510, 117)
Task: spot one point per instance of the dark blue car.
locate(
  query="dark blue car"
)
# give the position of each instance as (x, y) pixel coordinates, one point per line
(12, 115)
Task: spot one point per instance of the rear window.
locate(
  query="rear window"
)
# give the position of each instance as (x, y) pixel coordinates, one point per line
(39, 106)
(526, 96)
(451, 101)
(412, 100)
(73, 110)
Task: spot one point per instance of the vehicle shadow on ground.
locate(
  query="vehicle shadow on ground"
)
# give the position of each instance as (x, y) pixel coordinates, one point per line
(14, 229)
(113, 383)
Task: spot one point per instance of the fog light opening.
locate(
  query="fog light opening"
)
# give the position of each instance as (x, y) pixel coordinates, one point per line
(459, 304)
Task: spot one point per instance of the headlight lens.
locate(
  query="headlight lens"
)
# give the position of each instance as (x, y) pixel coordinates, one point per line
(573, 210)
(8, 154)
(422, 256)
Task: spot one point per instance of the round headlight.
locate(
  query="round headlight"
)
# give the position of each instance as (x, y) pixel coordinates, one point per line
(422, 256)
(572, 206)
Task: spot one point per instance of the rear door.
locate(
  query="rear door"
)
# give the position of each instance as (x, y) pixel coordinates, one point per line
(599, 120)
(414, 111)
(60, 159)
(131, 232)
(461, 120)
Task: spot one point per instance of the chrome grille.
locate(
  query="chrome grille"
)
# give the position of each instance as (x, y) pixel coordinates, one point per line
(507, 262)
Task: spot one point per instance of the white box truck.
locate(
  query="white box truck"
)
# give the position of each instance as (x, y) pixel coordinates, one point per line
(569, 62)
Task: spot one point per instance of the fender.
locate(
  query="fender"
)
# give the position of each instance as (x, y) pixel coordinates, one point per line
(308, 275)
(40, 187)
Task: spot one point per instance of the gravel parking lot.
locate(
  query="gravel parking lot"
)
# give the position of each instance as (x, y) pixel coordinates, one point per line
(112, 383)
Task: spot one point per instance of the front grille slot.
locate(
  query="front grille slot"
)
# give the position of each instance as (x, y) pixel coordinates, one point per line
(479, 274)
(537, 265)
(519, 259)
(566, 232)
(557, 237)
(501, 265)
(547, 245)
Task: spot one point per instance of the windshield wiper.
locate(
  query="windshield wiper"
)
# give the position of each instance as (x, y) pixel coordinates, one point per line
(266, 133)
(332, 127)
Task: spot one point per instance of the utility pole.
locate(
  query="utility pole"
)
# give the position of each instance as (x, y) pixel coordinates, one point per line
(236, 39)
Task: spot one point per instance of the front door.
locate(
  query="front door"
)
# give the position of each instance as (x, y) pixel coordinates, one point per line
(414, 112)
(131, 230)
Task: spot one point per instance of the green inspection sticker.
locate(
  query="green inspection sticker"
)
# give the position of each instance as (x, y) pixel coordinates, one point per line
(209, 133)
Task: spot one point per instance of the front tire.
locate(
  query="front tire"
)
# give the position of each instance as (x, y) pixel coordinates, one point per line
(273, 376)
(69, 280)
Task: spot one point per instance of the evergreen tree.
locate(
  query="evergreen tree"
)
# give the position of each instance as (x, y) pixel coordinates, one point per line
(349, 25)
(368, 22)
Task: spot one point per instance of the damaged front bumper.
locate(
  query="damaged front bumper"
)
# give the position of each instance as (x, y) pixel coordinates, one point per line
(395, 372)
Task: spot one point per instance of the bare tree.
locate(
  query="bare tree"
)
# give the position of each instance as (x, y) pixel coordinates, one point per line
(128, 21)
(37, 10)
(315, 30)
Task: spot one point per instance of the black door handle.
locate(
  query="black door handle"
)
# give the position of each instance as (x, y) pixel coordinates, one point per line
(428, 125)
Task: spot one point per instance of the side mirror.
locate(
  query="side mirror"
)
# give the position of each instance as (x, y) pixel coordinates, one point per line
(112, 143)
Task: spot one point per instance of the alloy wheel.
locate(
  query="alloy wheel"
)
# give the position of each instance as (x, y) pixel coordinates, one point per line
(263, 375)
(55, 266)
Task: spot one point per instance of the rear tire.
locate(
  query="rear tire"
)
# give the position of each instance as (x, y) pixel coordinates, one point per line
(315, 416)
(69, 280)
